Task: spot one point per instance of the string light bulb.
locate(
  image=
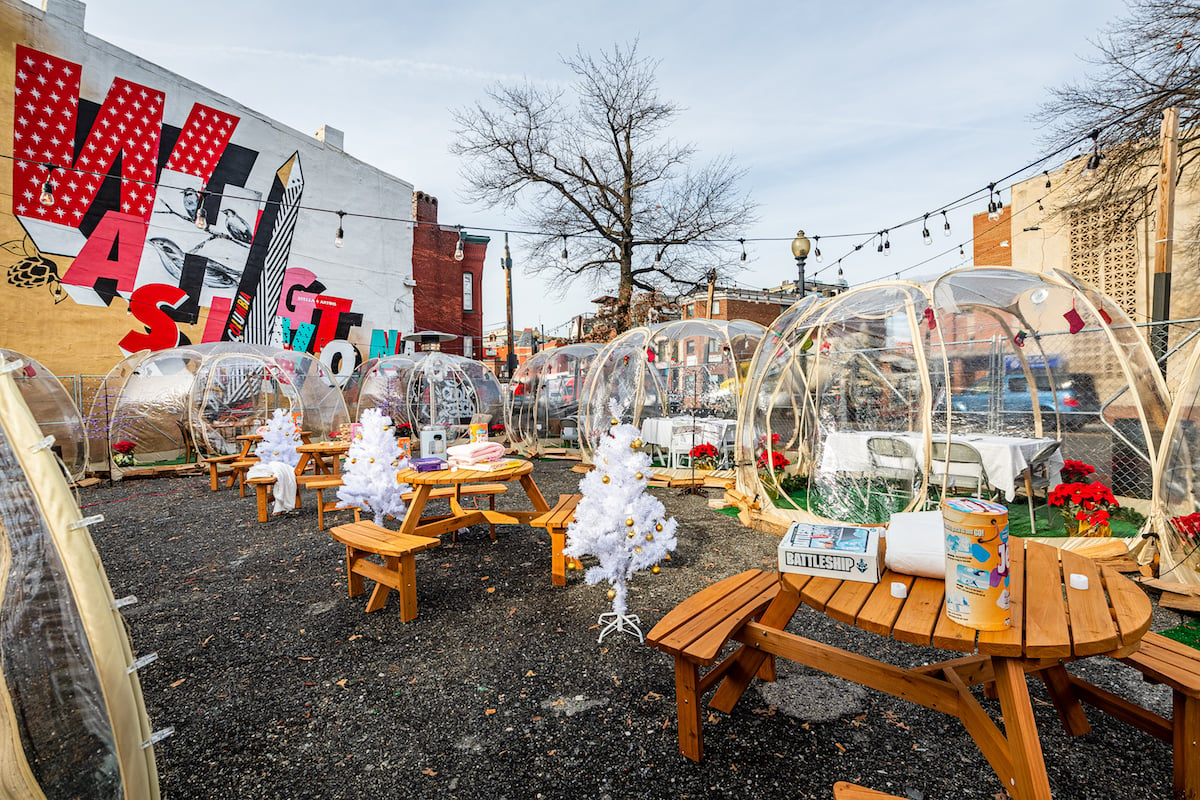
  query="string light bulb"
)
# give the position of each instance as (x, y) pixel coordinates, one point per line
(925, 235)
(47, 197)
(993, 212)
(841, 275)
(742, 242)
(961, 253)
(1093, 162)
(658, 254)
(458, 246)
(340, 236)
(564, 252)
(887, 244)
(817, 249)
(946, 225)
(1047, 174)
(201, 214)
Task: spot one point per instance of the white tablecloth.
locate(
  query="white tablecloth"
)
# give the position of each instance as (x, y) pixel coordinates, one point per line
(1004, 457)
(687, 432)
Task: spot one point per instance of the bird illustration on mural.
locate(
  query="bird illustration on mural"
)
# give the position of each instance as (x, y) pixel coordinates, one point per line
(239, 231)
(191, 203)
(216, 274)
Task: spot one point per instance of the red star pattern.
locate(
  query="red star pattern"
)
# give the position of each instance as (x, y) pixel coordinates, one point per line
(202, 141)
(45, 109)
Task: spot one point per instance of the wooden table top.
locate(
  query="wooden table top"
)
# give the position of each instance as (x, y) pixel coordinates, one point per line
(1050, 619)
(450, 477)
(324, 447)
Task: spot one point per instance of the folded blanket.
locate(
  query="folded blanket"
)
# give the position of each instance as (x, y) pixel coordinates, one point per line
(285, 483)
(475, 453)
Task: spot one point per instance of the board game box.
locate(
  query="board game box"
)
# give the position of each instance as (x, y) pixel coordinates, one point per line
(833, 551)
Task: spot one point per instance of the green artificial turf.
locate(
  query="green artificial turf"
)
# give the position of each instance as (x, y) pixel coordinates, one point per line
(1188, 633)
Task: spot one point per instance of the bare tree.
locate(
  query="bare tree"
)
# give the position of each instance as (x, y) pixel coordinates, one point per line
(1144, 63)
(593, 170)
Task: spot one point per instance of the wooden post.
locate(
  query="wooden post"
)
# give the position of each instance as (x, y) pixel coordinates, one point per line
(712, 282)
(1164, 232)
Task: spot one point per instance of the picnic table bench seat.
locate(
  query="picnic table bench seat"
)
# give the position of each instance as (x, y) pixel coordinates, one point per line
(1165, 661)
(219, 467)
(398, 570)
(263, 491)
(555, 521)
(842, 790)
(697, 630)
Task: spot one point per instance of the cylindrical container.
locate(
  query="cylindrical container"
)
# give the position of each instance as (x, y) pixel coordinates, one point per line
(977, 592)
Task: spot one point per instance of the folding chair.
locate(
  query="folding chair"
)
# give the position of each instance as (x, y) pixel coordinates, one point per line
(895, 464)
(958, 466)
(1037, 478)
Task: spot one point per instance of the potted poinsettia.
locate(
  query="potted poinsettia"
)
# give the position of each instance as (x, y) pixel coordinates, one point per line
(770, 464)
(1075, 471)
(1085, 508)
(704, 456)
(123, 453)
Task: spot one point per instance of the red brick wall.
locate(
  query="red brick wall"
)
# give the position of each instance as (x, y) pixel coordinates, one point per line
(762, 313)
(438, 296)
(993, 240)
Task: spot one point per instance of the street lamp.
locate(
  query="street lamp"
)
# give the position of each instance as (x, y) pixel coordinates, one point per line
(800, 249)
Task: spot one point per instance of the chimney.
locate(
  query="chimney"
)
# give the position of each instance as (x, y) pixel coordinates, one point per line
(332, 137)
(424, 208)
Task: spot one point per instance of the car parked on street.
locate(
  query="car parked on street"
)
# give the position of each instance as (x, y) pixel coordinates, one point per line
(1073, 397)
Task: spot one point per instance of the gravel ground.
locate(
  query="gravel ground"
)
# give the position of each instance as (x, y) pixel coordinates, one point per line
(279, 686)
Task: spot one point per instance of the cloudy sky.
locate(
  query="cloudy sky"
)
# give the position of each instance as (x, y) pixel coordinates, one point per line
(849, 117)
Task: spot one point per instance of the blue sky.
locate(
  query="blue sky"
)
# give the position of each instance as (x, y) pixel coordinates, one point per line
(848, 116)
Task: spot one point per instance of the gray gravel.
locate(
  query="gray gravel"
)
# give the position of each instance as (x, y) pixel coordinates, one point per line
(279, 686)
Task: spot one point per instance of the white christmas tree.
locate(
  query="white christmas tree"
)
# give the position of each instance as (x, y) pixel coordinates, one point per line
(280, 437)
(369, 477)
(619, 522)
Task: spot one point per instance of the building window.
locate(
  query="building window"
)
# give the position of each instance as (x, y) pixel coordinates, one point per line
(468, 346)
(716, 309)
(468, 292)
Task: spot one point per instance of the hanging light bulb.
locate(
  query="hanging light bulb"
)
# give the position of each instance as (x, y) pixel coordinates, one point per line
(879, 247)
(1093, 162)
(742, 242)
(961, 253)
(925, 235)
(564, 252)
(887, 244)
(458, 246)
(1047, 174)
(339, 237)
(817, 249)
(993, 212)
(658, 254)
(201, 214)
(946, 226)
(47, 198)
(841, 275)
(1040, 206)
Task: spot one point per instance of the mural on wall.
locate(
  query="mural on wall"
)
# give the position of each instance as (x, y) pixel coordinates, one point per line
(115, 201)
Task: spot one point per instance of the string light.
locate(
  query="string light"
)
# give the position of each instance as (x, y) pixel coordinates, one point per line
(961, 253)
(47, 197)
(742, 242)
(1047, 174)
(458, 246)
(658, 254)
(201, 214)
(340, 236)
(817, 249)
(1093, 162)
(564, 252)
(887, 244)
(879, 247)
(946, 226)
(925, 235)
(993, 212)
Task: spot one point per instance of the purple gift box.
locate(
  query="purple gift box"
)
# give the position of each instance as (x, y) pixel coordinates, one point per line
(428, 464)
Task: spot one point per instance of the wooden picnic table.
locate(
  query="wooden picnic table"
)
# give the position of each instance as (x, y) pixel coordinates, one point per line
(1052, 623)
(326, 457)
(460, 480)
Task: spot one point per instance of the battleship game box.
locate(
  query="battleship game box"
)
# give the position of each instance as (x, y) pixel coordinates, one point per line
(831, 551)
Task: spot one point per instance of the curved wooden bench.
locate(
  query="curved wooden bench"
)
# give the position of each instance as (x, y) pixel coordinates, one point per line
(852, 791)
(398, 570)
(696, 631)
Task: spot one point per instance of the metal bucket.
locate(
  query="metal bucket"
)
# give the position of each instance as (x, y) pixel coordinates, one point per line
(977, 593)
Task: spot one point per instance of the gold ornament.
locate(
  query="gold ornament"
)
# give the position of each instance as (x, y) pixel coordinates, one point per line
(649, 537)
(614, 422)
(629, 522)
(638, 475)
(656, 569)
(636, 444)
(658, 527)
(630, 535)
(354, 461)
(637, 549)
(371, 460)
(612, 593)
(604, 479)
(666, 556)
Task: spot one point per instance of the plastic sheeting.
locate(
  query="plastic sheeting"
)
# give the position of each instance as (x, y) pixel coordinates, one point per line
(54, 410)
(542, 399)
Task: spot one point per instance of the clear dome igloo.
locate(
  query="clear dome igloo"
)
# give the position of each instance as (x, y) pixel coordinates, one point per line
(1176, 514)
(687, 368)
(855, 405)
(53, 410)
(542, 400)
(431, 388)
(160, 407)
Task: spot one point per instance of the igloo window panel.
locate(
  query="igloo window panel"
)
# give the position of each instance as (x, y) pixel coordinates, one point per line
(47, 664)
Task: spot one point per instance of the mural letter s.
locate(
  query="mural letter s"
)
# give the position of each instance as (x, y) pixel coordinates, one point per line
(147, 303)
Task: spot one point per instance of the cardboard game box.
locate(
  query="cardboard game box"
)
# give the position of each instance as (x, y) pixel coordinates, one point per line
(832, 551)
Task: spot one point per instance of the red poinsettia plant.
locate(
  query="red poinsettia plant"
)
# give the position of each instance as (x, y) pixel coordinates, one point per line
(775, 461)
(1187, 525)
(1083, 504)
(704, 455)
(1075, 471)
(124, 447)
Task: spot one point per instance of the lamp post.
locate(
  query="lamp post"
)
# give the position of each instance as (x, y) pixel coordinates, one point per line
(800, 249)
(506, 265)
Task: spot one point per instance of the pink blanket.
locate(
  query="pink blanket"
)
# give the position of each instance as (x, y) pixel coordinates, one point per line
(475, 453)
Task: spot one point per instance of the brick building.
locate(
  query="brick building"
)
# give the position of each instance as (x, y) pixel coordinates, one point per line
(749, 304)
(447, 295)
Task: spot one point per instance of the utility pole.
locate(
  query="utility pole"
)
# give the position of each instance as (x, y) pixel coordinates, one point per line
(1164, 233)
(506, 265)
(712, 283)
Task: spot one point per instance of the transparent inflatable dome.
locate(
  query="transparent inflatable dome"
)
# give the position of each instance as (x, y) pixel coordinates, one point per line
(1176, 515)
(691, 368)
(432, 388)
(54, 411)
(867, 403)
(541, 407)
(238, 387)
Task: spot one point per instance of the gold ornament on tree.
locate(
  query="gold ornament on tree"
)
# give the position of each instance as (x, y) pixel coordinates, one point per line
(604, 479)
